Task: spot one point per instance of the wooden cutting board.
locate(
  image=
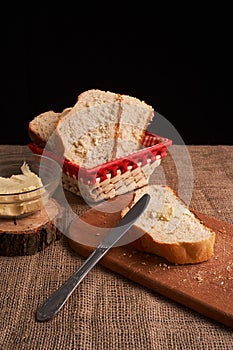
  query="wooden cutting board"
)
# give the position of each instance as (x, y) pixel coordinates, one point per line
(205, 287)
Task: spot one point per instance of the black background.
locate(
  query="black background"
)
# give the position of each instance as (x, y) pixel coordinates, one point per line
(180, 64)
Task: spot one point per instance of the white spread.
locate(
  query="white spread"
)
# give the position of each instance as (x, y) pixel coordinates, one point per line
(20, 198)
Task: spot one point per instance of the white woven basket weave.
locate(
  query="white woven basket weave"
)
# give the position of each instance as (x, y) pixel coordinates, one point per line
(111, 186)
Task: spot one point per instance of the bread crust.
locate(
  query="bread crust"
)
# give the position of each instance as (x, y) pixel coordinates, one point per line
(35, 136)
(177, 253)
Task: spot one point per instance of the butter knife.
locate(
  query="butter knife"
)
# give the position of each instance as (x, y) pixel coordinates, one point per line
(56, 300)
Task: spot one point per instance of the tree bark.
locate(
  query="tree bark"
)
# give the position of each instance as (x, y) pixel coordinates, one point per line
(33, 233)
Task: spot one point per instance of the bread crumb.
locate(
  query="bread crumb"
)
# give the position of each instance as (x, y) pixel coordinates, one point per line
(198, 278)
(228, 268)
(164, 266)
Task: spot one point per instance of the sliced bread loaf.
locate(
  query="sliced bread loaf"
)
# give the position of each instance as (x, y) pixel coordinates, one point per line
(170, 229)
(102, 126)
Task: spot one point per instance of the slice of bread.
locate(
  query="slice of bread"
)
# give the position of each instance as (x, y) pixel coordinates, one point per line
(170, 229)
(135, 117)
(43, 125)
(102, 126)
(86, 136)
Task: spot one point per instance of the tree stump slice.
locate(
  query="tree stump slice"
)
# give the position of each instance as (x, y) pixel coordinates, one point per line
(31, 234)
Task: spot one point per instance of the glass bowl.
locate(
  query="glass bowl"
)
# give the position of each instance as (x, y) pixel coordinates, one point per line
(29, 198)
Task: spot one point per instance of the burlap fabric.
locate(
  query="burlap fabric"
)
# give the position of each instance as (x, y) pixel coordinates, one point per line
(108, 311)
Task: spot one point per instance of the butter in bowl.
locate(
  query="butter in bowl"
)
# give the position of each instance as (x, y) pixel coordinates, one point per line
(27, 181)
(30, 216)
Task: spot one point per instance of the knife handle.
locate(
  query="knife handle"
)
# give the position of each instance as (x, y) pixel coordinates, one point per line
(56, 300)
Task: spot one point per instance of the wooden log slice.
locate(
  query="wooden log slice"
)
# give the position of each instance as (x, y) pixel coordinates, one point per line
(33, 233)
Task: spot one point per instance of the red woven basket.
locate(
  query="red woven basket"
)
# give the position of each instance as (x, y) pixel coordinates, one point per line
(114, 177)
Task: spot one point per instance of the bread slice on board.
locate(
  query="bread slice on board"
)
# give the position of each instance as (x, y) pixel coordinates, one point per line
(170, 229)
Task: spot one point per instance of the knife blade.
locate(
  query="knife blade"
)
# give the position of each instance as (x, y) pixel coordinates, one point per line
(57, 299)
